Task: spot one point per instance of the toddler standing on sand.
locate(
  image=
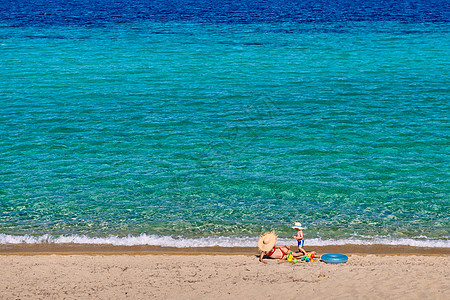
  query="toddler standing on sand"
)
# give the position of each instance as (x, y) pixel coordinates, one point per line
(299, 237)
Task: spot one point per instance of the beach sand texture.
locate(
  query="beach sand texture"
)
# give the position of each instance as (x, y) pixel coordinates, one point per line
(113, 276)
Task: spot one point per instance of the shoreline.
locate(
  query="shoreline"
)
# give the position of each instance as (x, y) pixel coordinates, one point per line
(35, 249)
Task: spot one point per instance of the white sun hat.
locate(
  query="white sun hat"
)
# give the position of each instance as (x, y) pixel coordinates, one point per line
(297, 225)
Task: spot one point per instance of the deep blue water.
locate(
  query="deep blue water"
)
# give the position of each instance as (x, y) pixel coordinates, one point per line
(102, 12)
(174, 122)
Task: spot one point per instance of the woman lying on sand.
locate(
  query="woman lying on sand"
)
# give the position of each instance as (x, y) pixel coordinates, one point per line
(267, 246)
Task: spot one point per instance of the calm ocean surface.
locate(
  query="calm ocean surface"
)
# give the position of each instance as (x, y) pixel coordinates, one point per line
(210, 122)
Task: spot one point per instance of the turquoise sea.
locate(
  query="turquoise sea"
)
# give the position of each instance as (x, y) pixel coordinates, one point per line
(135, 126)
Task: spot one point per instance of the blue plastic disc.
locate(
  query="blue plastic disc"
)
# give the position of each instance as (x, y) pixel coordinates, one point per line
(334, 258)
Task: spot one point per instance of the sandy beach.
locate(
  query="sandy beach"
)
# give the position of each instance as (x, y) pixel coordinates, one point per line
(219, 275)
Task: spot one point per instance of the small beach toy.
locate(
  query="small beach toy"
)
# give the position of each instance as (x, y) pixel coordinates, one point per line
(294, 260)
(308, 257)
(289, 256)
(334, 258)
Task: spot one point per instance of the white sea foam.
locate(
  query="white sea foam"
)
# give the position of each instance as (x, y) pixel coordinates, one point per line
(221, 241)
(419, 242)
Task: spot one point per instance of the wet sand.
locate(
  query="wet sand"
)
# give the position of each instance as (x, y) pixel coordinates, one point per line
(108, 249)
